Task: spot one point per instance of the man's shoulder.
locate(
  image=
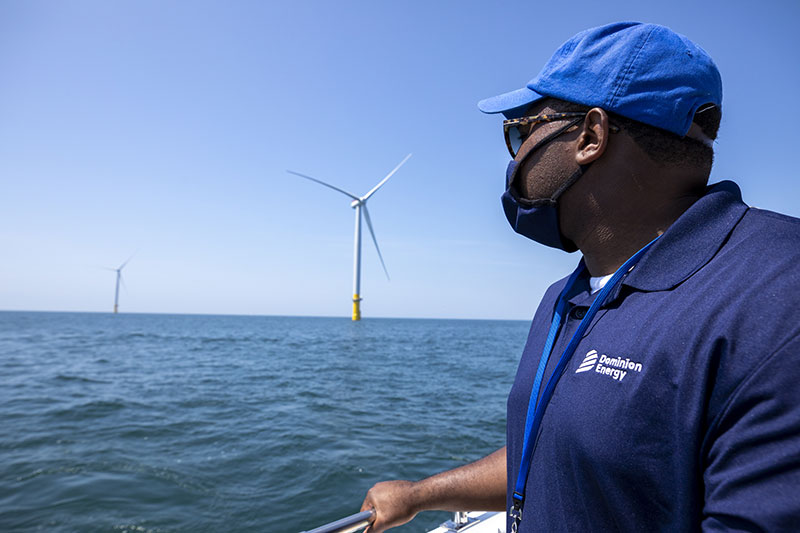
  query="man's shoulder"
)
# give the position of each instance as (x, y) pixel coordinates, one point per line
(765, 216)
(769, 226)
(760, 262)
(544, 311)
(554, 291)
(763, 238)
(555, 288)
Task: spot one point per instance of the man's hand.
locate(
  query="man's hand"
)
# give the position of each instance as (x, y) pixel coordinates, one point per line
(393, 502)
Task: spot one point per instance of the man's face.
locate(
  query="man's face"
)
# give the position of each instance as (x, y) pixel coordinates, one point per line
(545, 168)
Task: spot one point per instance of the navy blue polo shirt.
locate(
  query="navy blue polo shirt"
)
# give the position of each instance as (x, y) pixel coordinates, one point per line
(680, 408)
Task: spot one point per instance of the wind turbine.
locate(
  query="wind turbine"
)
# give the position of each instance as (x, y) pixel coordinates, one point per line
(359, 204)
(119, 280)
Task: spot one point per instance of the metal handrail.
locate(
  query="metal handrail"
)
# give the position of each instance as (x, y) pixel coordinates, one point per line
(347, 525)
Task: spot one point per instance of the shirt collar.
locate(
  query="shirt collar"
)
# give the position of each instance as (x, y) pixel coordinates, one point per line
(687, 245)
(690, 242)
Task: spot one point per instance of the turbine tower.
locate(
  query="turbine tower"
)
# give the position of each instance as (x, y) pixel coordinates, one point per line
(360, 205)
(119, 280)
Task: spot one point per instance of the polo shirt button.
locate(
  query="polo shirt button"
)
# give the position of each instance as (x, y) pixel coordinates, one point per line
(578, 313)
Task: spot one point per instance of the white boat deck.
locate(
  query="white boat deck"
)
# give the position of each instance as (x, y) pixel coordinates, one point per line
(476, 522)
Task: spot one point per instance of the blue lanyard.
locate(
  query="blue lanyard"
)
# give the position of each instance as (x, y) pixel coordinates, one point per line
(536, 410)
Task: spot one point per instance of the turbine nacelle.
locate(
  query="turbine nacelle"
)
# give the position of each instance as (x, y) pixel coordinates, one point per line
(356, 203)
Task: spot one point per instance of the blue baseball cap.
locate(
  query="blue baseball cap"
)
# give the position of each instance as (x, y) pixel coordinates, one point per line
(644, 72)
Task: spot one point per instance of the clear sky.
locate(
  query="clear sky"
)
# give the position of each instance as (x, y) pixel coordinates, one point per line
(165, 129)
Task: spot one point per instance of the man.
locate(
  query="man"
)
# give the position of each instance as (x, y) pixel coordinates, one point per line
(659, 389)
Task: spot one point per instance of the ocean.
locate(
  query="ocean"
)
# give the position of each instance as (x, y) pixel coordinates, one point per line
(162, 423)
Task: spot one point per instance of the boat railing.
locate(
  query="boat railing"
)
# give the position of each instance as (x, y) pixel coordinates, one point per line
(348, 524)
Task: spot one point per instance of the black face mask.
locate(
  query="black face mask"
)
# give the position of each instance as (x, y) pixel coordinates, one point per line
(538, 219)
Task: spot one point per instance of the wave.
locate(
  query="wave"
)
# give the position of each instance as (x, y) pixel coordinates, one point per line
(79, 379)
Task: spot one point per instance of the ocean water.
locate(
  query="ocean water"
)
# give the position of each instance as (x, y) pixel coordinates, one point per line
(139, 423)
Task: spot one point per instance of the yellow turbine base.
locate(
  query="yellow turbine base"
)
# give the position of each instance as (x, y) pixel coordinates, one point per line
(115, 308)
(356, 307)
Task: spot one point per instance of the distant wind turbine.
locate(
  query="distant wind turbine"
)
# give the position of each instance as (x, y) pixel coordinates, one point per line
(359, 204)
(119, 280)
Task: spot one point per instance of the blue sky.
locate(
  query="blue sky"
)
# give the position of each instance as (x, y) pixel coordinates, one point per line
(165, 129)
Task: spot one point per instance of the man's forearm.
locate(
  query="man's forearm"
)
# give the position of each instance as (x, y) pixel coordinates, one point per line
(476, 486)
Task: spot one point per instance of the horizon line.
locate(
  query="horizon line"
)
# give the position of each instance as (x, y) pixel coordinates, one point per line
(260, 315)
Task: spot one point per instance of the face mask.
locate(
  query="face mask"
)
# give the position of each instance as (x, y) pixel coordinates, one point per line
(537, 219)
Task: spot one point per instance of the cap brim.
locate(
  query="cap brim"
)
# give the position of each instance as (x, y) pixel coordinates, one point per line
(512, 104)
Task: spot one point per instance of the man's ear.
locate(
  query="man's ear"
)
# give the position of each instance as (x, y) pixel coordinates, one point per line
(593, 140)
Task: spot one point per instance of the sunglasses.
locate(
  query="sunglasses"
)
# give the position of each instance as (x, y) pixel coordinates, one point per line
(517, 130)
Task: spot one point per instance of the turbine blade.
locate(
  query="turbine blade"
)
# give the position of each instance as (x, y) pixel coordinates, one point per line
(351, 195)
(122, 281)
(126, 261)
(384, 180)
(372, 232)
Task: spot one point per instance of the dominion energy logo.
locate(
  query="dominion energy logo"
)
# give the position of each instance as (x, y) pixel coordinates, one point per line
(614, 367)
